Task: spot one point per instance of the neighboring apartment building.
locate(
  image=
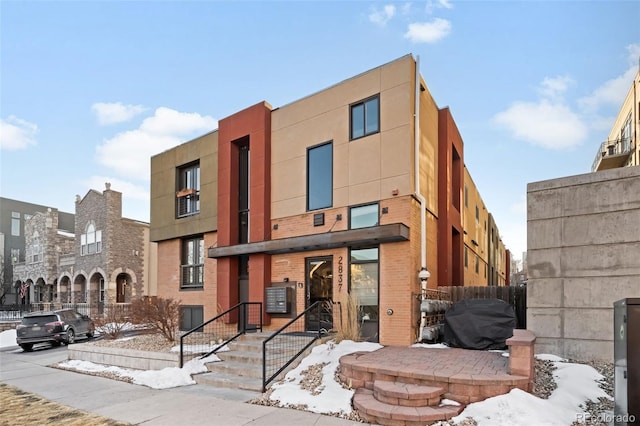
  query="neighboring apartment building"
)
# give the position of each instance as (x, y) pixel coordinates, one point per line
(13, 216)
(108, 259)
(621, 149)
(350, 191)
(476, 241)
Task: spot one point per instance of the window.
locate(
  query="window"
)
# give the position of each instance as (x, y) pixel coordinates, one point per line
(192, 263)
(365, 117)
(15, 255)
(36, 248)
(477, 264)
(477, 214)
(466, 257)
(625, 135)
(101, 290)
(91, 240)
(363, 216)
(466, 195)
(190, 317)
(15, 224)
(188, 190)
(320, 176)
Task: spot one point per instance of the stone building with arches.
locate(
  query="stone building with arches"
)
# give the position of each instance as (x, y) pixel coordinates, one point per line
(107, 260)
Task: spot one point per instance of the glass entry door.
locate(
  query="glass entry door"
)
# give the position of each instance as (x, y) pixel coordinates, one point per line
(319, 277)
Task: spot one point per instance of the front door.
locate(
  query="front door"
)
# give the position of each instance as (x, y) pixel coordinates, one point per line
(319, 284)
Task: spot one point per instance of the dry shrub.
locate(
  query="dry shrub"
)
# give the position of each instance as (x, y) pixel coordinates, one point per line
(113, 321)
(162, 315)
(349, 328)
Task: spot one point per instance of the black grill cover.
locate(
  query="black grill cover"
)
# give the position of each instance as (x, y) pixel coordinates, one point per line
(479, 324)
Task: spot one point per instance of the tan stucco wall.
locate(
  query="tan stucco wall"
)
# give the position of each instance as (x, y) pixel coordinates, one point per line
(365, 169)
(474, 230)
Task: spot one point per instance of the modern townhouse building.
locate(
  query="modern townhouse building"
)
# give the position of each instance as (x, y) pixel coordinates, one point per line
(106, 259)
(621, 149)
(356, 190)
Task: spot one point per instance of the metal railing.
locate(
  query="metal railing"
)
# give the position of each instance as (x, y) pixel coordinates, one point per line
(211, 336)
(285, 345)
(15, 312)
(621, 146)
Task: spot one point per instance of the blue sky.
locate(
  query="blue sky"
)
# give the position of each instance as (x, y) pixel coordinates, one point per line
(90, 90)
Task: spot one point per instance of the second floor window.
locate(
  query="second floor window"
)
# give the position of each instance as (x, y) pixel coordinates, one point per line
(363, 216)
(91, 240)
(320, 176)
(192, 263)
(365, 117)
(188, 190)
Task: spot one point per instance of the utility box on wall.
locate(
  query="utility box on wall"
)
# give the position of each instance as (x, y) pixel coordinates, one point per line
(278, 300)
(626, 355)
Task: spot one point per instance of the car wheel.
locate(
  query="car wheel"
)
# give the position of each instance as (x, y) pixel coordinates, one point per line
(71, 336)
(27, 347)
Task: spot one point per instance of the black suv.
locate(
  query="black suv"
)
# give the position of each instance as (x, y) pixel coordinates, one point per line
(55, 327)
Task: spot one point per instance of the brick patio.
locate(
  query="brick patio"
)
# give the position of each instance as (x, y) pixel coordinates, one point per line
(404, 386)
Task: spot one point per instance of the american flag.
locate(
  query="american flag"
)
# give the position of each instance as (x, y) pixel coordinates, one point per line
(23, 290)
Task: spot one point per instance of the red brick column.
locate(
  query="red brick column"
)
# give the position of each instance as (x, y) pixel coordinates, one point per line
(521, 355)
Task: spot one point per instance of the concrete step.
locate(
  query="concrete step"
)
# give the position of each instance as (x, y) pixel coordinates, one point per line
(237, 368)
(405, 394)
(232, 381)
(374, 411)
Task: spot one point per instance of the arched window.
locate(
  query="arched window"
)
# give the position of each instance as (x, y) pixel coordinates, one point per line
(91, 240)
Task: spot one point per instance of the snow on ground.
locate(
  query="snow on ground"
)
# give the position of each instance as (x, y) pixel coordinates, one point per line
(576, 384)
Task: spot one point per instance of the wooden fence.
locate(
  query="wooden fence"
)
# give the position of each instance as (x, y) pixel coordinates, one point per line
(516, 296)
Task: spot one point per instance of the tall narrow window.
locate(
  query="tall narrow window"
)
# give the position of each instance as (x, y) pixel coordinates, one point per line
(320, 176)
(15, 224)
(192, 263)
(365, 117)
(188, 190)
(36, 247)
(243, 193)
(101, 291)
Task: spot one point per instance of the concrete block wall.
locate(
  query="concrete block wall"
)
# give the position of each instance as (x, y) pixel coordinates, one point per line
(583, 254)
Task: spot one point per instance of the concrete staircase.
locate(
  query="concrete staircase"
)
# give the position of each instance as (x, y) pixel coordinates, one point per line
(241, 366)
(396, 403)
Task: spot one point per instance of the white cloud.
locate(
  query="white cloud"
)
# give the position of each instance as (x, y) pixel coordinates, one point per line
(613, 91)
(428, 32)
(546, 124)
(554, 88)
(381, 17)
(129, 153)
(439, 4)
(16, 133)
(128, 189)
(115, 112)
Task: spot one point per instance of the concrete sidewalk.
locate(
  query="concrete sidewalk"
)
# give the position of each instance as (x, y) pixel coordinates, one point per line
(135, 404)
